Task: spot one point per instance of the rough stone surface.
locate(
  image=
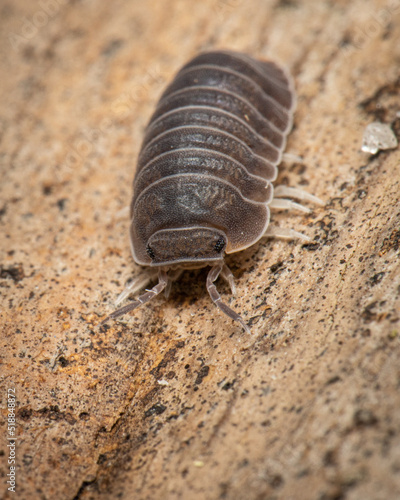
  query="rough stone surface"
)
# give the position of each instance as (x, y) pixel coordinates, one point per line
(175, 401)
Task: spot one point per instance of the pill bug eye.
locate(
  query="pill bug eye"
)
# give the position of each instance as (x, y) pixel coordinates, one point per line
(150, 252)
(219, 246)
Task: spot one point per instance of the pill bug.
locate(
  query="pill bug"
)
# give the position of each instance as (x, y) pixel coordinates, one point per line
(203, 184)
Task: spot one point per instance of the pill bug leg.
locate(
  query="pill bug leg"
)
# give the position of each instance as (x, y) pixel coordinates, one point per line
(282, 204)
(135, 285)
(142, 299)
(298, 194)
(215, 296)
(172, 276)
(285, 233)
(292, 158)
(226, 273)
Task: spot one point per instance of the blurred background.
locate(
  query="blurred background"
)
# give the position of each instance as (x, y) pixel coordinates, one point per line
(175, 401)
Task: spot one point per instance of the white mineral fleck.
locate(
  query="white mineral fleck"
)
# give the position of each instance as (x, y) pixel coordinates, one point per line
(378, 136)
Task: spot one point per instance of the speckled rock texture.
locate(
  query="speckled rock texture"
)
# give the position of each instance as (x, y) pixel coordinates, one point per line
(175, 401)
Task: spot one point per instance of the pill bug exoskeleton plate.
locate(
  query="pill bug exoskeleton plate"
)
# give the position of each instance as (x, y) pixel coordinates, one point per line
(203, 181)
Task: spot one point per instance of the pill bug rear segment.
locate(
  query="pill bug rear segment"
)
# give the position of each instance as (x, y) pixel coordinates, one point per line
(204, 172)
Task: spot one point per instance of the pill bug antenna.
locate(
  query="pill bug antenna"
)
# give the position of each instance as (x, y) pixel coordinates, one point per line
(142, 299)
(216, 298)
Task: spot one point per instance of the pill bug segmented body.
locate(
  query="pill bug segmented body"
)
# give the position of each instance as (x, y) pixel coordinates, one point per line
(203, 184)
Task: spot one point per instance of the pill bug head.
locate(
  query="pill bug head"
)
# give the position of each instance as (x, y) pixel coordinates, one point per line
(185, 246)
